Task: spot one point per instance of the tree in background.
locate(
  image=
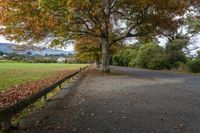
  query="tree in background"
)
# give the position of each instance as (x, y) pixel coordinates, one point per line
(110, 21)
(89, 49)
(150, 56)
(123, 57)
(198, 54)
(194, 24)
(126, 56)
(174, 53)
(194, 65)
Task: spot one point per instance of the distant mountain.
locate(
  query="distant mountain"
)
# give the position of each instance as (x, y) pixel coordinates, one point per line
(12, 48)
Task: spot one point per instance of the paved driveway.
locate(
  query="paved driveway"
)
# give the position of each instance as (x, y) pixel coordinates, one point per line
(126, 101)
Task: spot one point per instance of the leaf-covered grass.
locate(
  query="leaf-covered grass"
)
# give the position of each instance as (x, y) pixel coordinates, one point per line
(37, 105)
(12, 74)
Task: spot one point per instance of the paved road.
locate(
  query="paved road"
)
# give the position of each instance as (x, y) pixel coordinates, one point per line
(126, 101)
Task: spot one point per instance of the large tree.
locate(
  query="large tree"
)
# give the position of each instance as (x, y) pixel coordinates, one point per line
(89, 49)
(109, 20)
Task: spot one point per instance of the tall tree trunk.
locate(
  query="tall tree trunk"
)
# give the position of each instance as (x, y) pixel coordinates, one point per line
(97, 61)
(105, 55)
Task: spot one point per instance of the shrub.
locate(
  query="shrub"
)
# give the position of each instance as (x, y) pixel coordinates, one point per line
(194, 65)
(115, 60)
(150, 56)
(124, 57)
(127, 56)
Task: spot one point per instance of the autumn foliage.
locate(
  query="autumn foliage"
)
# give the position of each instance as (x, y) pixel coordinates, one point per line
(88, 49)
(22, 91)
(109, 21)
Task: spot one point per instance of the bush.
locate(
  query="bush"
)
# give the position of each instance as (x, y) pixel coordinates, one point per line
(43, 60)
(133, 58)
(150, 56)
(115, 60)
(127, 56)
(124, 57)
(194, 65)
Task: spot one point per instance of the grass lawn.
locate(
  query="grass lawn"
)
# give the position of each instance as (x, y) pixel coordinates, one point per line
(16, 73)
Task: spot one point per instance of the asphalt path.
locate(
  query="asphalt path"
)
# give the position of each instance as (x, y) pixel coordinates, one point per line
(127, 100)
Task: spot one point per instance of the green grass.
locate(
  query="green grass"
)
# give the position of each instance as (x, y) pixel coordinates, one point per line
(17, 73)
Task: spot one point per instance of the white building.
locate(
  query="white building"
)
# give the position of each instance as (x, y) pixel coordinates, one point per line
(61, 60)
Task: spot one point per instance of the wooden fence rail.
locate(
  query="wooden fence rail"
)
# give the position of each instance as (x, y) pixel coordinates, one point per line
(8, 112)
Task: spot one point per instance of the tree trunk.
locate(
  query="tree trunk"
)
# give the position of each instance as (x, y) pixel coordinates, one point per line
(97, 61)
(105, 55)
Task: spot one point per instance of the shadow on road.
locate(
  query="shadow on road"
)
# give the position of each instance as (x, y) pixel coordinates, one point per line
(122, 102)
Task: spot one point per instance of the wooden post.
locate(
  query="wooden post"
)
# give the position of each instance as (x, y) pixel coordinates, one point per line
(6, 124)
(7, 113)
(45, 97)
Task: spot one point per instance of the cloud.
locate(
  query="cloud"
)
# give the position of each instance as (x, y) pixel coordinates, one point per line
(68, 48)
(3, 40)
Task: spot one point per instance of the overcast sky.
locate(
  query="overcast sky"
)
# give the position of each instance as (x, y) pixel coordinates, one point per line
(3, 40)
(195, 41)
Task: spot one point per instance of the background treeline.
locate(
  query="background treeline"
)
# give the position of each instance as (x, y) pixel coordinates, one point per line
(29, 58)
(152, 56)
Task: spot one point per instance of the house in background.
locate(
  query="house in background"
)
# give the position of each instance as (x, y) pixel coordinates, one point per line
(2, 57)
(71, 60)
(61, 60)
